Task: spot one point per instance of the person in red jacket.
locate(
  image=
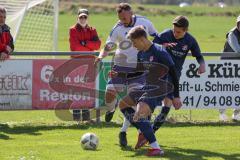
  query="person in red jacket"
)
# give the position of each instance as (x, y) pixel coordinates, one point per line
(83, 37)
(6, 40)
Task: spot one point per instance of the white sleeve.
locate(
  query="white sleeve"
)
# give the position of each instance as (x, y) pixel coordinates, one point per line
(233, 42)
(151, 29)
(110, 43)
(113, 36)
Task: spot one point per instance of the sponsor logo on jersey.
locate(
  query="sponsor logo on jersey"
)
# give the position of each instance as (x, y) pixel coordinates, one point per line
(185, 47)
(151, 58)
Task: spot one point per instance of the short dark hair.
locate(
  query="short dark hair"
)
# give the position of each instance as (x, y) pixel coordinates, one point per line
(181, 21)
(137, 32)
(123, 7)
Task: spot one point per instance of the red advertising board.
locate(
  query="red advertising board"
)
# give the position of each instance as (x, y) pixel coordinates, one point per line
(63, 84)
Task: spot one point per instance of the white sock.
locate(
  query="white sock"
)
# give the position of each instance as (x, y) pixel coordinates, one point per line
(155, 145)
(126, 125)
(139, 131)
(111, 105)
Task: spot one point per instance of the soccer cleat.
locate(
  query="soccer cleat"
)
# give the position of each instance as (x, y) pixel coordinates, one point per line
(155, 152)
(123, 139)
(223, 117)
(109, 116)
(141, 141)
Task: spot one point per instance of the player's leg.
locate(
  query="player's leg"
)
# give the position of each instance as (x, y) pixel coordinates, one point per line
(125, 103)
(126, 124)
(139, 119)
(143, 111)
(114, 86)
(111, 102)
(134, 84)
(152, 103)
(161, 118)
(167, 103)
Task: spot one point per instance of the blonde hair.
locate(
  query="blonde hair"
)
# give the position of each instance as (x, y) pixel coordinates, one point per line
(137, 32)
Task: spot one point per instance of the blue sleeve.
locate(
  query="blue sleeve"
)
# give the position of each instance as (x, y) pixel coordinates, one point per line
(196, 52)
(195, 49)
(159, 39)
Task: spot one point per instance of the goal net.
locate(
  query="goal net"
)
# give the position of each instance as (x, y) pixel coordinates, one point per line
(33, 23)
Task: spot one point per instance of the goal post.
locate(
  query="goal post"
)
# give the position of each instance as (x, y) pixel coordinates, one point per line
(33, 23)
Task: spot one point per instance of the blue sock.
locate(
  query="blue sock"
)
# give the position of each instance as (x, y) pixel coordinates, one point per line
(128, 114)
(160, 119)
(143, 124)
(147, 130)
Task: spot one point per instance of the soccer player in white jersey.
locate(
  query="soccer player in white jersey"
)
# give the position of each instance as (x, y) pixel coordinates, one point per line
(125, 60)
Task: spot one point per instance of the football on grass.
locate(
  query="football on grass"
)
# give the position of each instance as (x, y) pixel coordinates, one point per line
(89, 141)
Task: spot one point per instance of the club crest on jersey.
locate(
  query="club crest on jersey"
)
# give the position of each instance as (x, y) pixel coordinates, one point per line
(185, 47)
(151, 58)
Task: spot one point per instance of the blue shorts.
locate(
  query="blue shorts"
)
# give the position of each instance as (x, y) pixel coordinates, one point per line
(119, 83)
(151, 102)
(147, 95)
(154, 95)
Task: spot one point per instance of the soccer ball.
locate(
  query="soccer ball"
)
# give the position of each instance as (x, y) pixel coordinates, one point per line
(89, 141)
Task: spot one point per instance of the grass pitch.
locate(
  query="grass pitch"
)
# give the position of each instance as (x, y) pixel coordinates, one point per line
(40, 135)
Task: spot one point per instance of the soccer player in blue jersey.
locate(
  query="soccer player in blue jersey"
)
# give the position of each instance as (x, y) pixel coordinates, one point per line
(157, 65)
(124, 60)
(178, 42)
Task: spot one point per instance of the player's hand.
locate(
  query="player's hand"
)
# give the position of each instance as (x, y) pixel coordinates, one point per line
(169, 45)
(3, 56)
(136, 117)
(9, 49)
(112, 74)
(202, 68)
(177, 104)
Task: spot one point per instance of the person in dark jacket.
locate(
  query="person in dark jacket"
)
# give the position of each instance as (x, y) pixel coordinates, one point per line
(83, 37)
(6, 40)
(232, 44)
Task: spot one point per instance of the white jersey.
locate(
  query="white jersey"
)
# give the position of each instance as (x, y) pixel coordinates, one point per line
(126, 54)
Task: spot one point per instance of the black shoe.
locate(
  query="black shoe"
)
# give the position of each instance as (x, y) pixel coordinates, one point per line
(109, 116)
(123, 139)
